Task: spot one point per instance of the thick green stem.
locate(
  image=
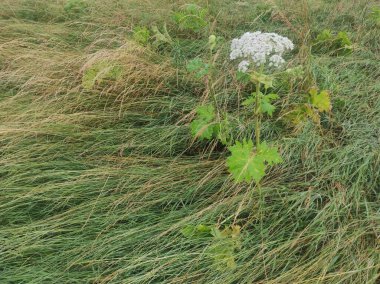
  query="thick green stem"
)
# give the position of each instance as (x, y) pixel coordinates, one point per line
(257, 115)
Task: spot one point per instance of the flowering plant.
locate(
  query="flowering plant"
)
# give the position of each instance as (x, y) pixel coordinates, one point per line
(262, 51)
(259, 54)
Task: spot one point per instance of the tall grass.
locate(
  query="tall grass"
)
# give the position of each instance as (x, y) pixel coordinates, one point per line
(96, 185)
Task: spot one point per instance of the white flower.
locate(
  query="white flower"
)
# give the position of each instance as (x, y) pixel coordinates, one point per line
(276, 60)
(259, 49)
(243, 66)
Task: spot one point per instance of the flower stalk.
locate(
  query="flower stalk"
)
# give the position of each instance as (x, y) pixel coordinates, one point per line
(257, 115)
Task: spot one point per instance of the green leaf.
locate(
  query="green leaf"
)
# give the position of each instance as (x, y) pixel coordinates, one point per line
(266, 106)
(204, 126)
(191, 17)
(325, 35)
(301, 113)
(225, 131)
(200, 231)
(327, 41)
(198, 67)
(344, 40)
(99, 72)
(223, 247)
(141, 35)
(321, 100)
(216, 233)
(269, 154)
(244, 164)
(270, 97)
(249, 101)
(203, 229)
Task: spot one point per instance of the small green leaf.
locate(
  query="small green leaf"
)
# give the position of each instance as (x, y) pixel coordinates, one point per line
(225, 131)
(204, 126)
(344, 40)
(198, 67)
(266, 105)
(269, 154)
(301, 113)
(249, 102)
(223, 247)
(203, 229)
(325, 35)
(270, 97)
(321, 100)
(199, 231)
(141, 35)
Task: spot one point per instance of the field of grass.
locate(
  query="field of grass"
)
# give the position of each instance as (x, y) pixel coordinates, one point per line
(97, 183)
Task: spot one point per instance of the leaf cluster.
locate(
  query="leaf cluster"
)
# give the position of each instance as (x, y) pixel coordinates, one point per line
(222, 243)
(336, 44)
(315, 104)
(191, 17)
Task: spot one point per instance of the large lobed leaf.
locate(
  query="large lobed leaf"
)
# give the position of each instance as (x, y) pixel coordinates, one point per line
(245, 164)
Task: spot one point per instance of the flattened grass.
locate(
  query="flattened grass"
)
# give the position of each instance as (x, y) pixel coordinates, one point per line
(96, 185)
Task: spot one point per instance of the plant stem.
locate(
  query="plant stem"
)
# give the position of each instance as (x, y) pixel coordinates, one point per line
(257, 136)
(210, 83)
(257, 115)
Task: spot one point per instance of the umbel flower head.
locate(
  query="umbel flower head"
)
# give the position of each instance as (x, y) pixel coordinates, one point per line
(258, 49)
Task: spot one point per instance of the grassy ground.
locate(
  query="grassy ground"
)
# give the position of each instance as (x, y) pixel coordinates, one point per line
(97, 184)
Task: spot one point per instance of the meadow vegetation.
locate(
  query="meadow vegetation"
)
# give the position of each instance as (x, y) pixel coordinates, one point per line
(102, 179)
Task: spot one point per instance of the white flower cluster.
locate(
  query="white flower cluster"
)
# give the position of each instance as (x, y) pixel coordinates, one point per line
(260, 48)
